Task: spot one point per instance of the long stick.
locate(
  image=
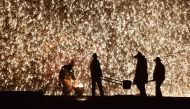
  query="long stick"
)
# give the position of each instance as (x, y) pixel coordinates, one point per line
(112, 81)
(120, 82)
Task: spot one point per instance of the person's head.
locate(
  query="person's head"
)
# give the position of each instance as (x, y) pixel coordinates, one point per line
(72, 63)
(157, 59)
(94, 56)
(139, 54)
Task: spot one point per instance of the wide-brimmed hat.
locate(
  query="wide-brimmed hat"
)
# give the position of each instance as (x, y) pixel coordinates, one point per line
(157, 59)
(139, 54)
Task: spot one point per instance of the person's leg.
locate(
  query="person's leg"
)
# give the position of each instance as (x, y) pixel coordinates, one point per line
(158, 90)
(67, 87)
(63, 88)
(65, 92)
(100, 87)
(142, 90)
(93, 87)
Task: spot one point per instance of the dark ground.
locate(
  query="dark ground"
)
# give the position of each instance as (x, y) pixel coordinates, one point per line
(36, 100)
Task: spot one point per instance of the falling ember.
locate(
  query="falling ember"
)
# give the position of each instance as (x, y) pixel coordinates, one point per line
(37, 37)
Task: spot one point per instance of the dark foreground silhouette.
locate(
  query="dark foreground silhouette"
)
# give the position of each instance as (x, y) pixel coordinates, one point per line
(141, 75)
(96, 74)
(36, 100)
(159, 76)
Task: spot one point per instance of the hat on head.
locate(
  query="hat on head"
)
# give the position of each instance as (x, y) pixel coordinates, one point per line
(157, 59)
(139, 54)
(94, 55)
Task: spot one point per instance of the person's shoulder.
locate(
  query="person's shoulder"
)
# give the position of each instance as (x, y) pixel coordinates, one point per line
(94, 60)
(97, 61)
(162, 65)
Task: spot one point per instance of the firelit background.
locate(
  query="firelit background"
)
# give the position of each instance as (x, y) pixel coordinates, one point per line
(37, 37)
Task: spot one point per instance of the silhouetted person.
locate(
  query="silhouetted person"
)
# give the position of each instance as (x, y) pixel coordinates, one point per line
(141, 76)
(159, 75)
(65, 76)
(96, 74)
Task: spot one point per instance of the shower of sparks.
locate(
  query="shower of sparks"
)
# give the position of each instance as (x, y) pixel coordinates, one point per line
(37, 37)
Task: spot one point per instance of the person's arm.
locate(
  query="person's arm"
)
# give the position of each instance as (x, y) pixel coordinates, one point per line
(73, 75)
(154, 73)
(100, 69)
(62, 74)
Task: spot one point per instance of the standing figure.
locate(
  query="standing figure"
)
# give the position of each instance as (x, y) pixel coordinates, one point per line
(96, 74)
(66, 75)
(141, 76)
(159, 75)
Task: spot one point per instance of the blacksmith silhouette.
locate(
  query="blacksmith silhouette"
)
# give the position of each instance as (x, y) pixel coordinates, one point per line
(65, 76)
(141, 75)
(159, 75)
(96, 74)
